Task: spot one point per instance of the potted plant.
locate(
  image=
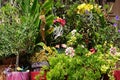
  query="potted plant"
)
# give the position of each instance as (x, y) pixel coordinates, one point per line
(19, 29)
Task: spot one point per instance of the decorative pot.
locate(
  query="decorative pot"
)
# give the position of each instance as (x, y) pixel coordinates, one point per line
(17, 76)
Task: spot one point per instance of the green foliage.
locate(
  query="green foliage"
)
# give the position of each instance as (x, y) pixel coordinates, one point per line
(18, 29)
(93, 30)
(20, 25)
(92, 25)
(80, 67)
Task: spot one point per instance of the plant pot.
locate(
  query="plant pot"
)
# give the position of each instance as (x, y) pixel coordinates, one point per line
(117, 74)
(34, 74)
(17, 76)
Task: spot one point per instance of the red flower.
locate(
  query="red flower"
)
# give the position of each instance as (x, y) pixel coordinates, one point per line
(60, 20)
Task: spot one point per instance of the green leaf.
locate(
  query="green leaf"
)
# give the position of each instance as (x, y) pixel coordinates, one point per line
(33, 8)
(49, 20)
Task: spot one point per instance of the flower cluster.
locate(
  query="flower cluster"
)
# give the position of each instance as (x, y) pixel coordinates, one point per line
(60, 20)
(70, 51)
(83, 8)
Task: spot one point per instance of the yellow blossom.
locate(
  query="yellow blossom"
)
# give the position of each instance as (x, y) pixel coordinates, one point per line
(82, 8)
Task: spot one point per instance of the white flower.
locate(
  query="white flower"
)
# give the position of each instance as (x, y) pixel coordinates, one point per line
(73, 32)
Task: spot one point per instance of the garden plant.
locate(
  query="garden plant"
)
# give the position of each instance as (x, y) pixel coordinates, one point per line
(74, 37)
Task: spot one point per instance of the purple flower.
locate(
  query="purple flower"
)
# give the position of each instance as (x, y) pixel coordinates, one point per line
(119, 30)
(117, 18)
(115, 24)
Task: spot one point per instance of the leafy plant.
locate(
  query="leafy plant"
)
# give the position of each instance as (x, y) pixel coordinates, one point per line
(19, 29)
(90, 22)
(81, 67)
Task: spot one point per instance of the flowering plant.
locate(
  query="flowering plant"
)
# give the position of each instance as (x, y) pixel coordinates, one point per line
(90, 22)
(87, 7)
(59, 20)
(88, 55)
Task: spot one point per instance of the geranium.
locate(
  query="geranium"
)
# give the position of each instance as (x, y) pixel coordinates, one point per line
(70, 51)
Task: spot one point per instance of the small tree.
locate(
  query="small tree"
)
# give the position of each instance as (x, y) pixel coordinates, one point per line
(18, 30)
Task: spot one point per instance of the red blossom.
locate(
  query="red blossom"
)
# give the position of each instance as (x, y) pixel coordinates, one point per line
(60, 20)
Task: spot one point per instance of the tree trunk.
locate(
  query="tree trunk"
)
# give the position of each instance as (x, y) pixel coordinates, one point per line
(17, 61)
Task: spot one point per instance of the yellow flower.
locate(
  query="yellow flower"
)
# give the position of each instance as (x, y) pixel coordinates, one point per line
(104, 68)
(88, 7)
(82, 8)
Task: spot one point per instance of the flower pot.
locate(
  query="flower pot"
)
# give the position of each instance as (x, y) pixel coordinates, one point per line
(34, 74)
(117, 74)
(17, 76)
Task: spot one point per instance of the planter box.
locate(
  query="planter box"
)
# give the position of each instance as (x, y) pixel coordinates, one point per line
(18, 76)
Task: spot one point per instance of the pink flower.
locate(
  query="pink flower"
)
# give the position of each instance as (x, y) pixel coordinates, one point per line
(60, 20)
(70, 51)
(113, 50)
(92, 50)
